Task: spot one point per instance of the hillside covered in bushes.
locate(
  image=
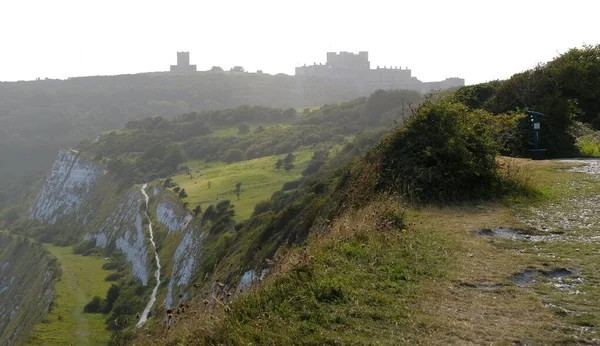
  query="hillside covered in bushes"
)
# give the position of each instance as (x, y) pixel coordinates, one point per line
(37, 118)
(347, 263)
(406, 218)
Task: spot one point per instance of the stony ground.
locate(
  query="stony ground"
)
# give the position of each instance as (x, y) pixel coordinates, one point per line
(525, 272)
(563, 234)
(574, 213)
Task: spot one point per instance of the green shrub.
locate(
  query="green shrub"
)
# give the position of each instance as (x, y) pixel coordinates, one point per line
(589, 148)
(112, 277)
(445, 153)
(84, 247)
(111, 296)
(291, 185)
(110, 265)
(94, 306)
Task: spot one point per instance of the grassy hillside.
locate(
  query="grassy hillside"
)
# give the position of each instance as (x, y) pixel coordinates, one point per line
(259, 180)
(429, 238)
(431, 280)
(82, 278)
(27, 276)
(37, 118)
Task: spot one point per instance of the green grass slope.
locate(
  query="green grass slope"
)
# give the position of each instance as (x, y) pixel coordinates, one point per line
(27, 275)
(391, 275)
(258, 177)
(82, 279)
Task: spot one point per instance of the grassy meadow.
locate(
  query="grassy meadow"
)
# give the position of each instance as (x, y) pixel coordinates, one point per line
(258, 177)
(429, 280)
(82, 278)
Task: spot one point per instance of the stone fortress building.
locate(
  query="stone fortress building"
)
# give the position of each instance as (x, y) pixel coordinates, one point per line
(356, 69)
(183, 63)
(352, 70)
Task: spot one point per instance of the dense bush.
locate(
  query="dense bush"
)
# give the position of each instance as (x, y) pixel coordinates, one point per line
(444, 153)
(112, 277)
(564, 89)
(291, 185)
(94, 306)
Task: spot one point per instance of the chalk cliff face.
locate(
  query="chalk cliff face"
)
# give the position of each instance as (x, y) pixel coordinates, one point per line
(185, 260)
(189, 236)
(67, 188)
(123, 226)
(165, 212)
(26, 290)
(78, 192)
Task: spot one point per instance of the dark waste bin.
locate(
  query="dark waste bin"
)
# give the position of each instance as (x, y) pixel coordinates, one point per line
(537, 154)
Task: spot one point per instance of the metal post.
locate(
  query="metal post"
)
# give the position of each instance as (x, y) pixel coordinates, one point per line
(535, 119)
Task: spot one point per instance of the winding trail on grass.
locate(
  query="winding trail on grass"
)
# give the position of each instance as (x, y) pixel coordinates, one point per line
(144, 316)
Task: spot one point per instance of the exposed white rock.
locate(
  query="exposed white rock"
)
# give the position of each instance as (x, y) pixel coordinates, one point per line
(12, 313)
(133, 246)
(165, 212)
(4, 266)
(47, 276)
(124, 223)
(250, 277)
(101, 240)
(247, 279)
(67, 187)
(184, 263)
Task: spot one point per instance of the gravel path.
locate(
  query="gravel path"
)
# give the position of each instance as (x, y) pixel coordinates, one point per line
(578, 213)
(592, 166)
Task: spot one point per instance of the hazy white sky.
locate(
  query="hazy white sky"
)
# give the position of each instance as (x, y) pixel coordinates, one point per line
(477, 40)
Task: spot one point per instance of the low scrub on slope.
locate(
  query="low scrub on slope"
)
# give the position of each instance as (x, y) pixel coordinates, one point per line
(344, 287)
(445, 153)
(566, 89)
(345, 267)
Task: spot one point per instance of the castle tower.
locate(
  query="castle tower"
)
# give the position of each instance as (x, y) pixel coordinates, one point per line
(183, 63)
(183, 58)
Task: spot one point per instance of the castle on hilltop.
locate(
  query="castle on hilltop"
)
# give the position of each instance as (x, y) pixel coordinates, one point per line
(356, 69)
(352, 70)
(183, 63)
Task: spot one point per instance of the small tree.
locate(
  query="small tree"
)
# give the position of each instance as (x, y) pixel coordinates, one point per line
(234, 155)
(289, 113)
(289, 166)
(197, 210)
(278, 164)
(289, 158)
(259, 129)
(209, 213)
(96, 305)
(182, 194)
(237, 69)
(238, 189)
(216, 69)
(243, 129)
(111, 296)
(176, 189)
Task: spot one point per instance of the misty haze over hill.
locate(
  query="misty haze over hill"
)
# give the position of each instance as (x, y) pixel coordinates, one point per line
(299, 172)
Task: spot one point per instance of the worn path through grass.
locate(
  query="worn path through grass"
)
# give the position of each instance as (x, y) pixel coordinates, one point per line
(438, 281)
(82, 278)
(538, 288)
